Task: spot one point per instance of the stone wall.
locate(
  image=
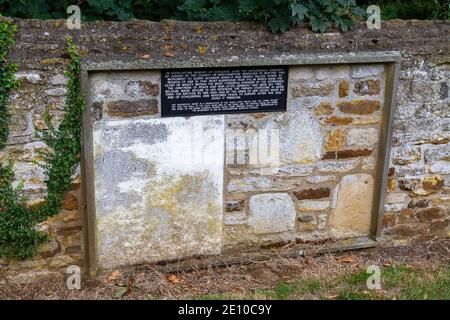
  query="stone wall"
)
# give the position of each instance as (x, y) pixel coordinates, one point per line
(417, 203)
(328, 148)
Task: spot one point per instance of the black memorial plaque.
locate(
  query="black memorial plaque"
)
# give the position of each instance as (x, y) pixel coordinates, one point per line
(190, 92)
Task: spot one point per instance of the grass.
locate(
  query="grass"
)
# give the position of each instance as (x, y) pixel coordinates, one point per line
(400, 282)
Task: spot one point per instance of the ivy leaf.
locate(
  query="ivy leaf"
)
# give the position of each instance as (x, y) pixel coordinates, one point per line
(317, 24)
(344, 24)
(299, 11)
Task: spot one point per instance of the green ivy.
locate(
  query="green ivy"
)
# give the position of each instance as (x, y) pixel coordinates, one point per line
(19, 237)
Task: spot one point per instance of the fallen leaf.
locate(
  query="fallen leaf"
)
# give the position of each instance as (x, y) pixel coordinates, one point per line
(145, 56)
(198, 29)
(114, 275)
(348, 259)
(332, 297)
(168, 46)
(172, 278)
(202, 49)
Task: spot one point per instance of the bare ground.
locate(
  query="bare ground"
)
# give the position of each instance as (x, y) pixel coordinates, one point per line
(321, 276)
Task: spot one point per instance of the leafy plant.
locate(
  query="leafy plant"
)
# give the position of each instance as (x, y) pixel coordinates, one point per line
(19, 237)
(279, 15)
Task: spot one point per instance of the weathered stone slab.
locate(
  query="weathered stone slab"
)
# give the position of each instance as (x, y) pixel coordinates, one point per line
(271, 213)
(158, 189)
(352, 214)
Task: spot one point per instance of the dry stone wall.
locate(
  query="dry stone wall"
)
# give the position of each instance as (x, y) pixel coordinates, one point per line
(341, 114)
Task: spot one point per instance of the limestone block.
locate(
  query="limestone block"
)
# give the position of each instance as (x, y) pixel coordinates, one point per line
(59, 79)
(300, 73)
(320, 179)
(436, 154)
(301, 137)
(332, 72)
(271, 213)
(367, 71)
(337, 166)
(366, 137)
(313, 205)
(30, 77)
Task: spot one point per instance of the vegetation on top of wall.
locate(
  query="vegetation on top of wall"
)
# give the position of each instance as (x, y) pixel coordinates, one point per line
(19, 237)
(279, 15)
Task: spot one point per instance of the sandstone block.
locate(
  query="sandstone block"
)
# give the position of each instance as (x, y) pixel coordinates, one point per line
(389, 219)
(343, 89)
(312, 90)
(440, 227)
(312, 193)
(343, 154)
(69, 202)
(138, 89)
(433, 183)
(407, 216)
(359, 106)
(333, 120)
(335, 139)
(429, 214)
(323, 108)
(368, 87)
(126, 108)
(354, 205)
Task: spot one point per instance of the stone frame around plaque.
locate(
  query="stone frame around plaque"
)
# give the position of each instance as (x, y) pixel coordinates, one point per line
(391, 59)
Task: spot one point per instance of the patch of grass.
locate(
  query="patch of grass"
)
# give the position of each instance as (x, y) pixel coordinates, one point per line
(416, 284)
(402, 282)
(357, 278)
(394, 276)
(312, 285)
(284, 290)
